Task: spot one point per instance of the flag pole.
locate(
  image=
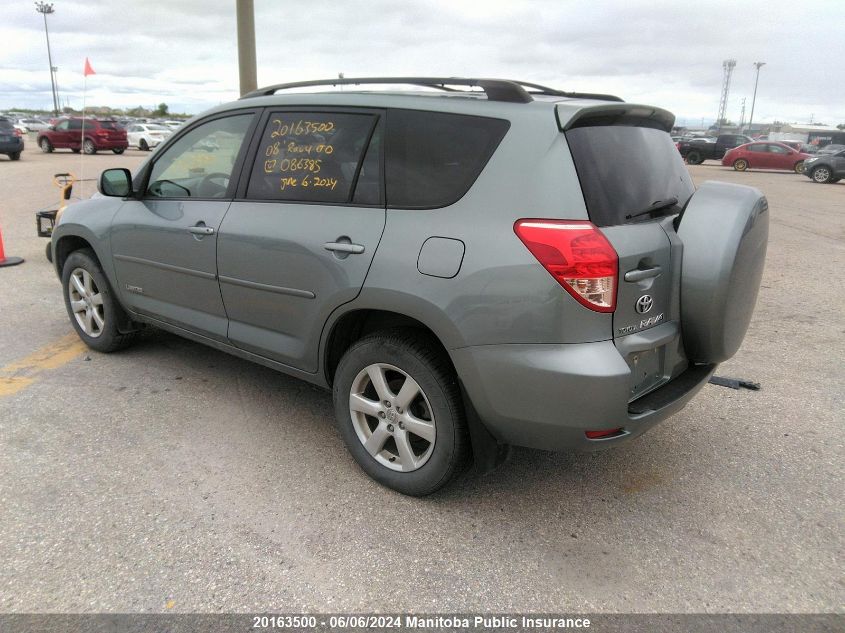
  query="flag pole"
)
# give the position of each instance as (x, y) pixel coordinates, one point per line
(82, 133)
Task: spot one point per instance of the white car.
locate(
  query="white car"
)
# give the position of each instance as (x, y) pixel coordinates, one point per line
(173, 125)
(147, 135)
(33, 125)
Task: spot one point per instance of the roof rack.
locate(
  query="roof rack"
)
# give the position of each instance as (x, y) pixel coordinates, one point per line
(495, 89)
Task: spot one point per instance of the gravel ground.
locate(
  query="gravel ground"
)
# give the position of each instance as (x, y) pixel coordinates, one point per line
(175, 477)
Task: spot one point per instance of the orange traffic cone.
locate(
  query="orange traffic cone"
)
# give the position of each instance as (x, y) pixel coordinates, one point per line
(7, 261)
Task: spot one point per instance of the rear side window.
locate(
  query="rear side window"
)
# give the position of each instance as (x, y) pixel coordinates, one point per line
(625, 169)
(433, 158)
(312, 157)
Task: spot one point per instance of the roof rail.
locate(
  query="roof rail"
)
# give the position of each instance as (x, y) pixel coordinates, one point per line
(495, 89)
(545, 90)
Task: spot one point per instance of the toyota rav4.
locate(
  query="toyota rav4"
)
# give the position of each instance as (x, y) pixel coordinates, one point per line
(469, 265)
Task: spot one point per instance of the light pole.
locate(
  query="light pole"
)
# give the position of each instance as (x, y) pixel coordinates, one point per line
(757, 65)
(245, 14)
(45, 8)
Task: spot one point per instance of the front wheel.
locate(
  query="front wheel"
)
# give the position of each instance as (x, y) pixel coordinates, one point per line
(91, 306)
(740, 164)
(799, 167)
(88, 146)
(45, 145)
(142, 145)
(694, 158)
(821, 174)
(399, 411)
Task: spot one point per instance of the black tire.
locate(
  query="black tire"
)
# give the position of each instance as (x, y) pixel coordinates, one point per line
(109, 338)
(142, 145)
(740, 164)
(421, 359)
(15, 156)
(798, 167)
(821, 174)
(75, 150)
(49, 251)
(45, 145)
(118, 150)
(88, 146)
(694, 158)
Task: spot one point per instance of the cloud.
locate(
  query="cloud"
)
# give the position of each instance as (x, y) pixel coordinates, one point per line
(664, 52)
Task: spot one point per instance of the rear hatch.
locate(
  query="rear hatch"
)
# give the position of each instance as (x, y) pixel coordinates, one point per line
(112, 131)
(634, 182)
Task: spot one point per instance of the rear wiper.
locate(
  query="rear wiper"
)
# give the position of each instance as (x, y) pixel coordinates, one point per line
(653, 207)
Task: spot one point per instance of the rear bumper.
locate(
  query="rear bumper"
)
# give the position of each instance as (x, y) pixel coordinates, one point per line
(10, 147)
(548, 396)
(105, 143)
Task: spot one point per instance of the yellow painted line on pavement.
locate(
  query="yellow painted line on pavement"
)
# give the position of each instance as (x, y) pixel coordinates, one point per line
(21, 373)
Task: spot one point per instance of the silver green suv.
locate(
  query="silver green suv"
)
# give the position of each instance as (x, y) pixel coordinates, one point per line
(468, 265)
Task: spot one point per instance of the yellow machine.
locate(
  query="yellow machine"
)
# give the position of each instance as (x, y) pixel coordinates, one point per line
(47, 219)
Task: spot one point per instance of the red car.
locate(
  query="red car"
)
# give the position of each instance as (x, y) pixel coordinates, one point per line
(99, 135)
(765, 155)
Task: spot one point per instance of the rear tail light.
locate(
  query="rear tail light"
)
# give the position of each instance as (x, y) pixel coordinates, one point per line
(18, 132)
(578, 256)
(102, 132)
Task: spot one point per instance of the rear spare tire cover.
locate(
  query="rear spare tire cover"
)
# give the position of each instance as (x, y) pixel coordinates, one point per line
(725, 231)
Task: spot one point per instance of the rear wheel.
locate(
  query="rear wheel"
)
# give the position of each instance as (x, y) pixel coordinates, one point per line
(91, 306)
(88, 146)
(799, 167)
(75, 150)
(740, 164)
(118, 150)
(399, 411)
(694, 158)
(15, 156)
(142, 145)
(45, 145)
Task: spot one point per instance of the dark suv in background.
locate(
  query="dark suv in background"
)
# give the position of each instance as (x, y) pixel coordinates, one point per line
(99, 135)
(11, 140)
(483, 264)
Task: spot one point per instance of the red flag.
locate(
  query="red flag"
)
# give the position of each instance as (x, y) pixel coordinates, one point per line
(88, 70)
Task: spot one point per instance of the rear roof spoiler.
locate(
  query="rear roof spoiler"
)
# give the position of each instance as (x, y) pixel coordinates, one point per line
(632, 114)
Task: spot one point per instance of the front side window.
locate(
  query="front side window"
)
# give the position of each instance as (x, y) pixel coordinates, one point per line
(200, 163)
(757, 147)
(777, 149)
(73, 124)
(312, 157)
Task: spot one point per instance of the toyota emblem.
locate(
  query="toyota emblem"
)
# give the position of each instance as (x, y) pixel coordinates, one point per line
(644, 304)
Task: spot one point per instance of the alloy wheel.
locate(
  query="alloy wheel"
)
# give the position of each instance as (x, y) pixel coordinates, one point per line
(392, 417)
(86, 301)
(821, 174)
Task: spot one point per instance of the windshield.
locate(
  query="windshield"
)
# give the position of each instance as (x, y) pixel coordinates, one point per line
(625, 169)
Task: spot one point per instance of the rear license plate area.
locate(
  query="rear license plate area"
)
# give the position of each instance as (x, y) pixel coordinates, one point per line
(647, 370)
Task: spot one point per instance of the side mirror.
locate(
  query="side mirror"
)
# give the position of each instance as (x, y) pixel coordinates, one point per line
(115, 182)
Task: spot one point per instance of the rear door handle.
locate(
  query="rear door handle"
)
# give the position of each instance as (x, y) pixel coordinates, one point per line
(344, 247)
(638, 274)
(201, 229)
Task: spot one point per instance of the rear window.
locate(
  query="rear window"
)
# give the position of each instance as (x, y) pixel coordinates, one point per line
(433, 158)
(625, 169)
(109, 125)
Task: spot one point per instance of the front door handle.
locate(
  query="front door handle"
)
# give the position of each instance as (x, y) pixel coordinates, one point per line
(344, 247)
(638, 274)
(201, 229)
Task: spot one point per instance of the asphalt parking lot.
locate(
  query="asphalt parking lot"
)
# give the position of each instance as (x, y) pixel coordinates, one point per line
(175, 477)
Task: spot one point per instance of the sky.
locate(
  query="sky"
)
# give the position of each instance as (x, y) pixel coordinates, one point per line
(667, 53)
